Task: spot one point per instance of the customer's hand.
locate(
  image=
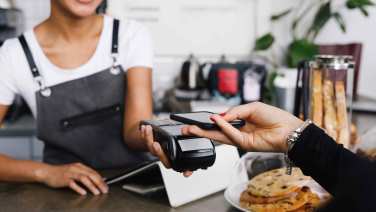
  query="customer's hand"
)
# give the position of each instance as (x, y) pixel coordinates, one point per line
(156, 149)
(266, 128)
(75, 176)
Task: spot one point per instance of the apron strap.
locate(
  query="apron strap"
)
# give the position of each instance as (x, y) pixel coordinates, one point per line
(34, 69)
(29, 57)
(115, 47)
(33, 66)
(115, 37)
(45, 91)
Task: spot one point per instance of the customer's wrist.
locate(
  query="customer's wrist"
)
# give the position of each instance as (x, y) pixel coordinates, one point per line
(295, 134)
(292, 139)
(291, 127)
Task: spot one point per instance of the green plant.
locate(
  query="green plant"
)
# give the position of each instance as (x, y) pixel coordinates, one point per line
(304, 46)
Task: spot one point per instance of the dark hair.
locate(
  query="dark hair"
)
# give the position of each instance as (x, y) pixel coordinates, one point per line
(102, 7)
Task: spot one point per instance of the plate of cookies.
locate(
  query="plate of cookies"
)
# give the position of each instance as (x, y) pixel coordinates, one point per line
(275, 191)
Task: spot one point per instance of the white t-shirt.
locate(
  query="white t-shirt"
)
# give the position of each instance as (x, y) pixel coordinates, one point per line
(135, 50)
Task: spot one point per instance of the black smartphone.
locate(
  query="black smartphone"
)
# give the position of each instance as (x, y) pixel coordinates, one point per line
(202, 120)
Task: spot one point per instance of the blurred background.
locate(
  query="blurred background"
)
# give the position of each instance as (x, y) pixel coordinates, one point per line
(255, 45)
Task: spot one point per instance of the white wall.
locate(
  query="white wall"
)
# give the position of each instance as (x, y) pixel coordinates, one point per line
(359, 29)
(198, 26)
(206, 28)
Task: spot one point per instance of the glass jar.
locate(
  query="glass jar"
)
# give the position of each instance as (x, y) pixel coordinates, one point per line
(326, 85)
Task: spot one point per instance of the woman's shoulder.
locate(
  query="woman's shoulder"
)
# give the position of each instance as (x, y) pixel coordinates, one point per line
(10, 49)
(12, 55)
(9, 46)
(12, 46)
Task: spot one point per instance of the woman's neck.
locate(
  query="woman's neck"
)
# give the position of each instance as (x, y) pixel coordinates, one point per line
(72, 28)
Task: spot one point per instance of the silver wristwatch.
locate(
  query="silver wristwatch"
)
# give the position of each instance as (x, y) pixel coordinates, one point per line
(291, 141)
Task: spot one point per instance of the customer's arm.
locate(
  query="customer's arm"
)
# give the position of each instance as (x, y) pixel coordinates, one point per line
(338, 170)
(348, 177)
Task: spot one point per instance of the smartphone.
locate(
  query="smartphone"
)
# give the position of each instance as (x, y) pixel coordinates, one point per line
(202, 120)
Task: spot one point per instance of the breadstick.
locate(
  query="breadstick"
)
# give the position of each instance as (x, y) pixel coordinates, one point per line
(316, 103)
(354, 138)
(342, 120)
(330, 116)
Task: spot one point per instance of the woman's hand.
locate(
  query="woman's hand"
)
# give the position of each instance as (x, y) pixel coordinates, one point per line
(266, 128)
(75, 176)
(156, 149)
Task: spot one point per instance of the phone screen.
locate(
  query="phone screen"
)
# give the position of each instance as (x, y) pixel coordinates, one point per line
(203, 117)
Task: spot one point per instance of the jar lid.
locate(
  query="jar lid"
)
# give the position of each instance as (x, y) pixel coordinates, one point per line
(334, 62)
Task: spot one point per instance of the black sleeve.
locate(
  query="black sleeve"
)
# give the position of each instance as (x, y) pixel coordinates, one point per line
(348, 177)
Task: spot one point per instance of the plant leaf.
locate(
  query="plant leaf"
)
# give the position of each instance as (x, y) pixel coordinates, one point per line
(322, 17)
(264, 42)
(364, 11)
(354, 4)
(280, 15)
(360, 4)
(300, 50)
(270, 90)
(340, 21)
(294, 24)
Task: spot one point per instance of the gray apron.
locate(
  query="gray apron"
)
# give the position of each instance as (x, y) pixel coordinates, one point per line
(82, 120)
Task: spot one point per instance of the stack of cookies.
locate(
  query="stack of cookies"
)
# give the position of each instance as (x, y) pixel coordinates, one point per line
(275, 191)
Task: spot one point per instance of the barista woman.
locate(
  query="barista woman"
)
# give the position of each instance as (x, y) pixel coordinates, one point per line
(87, 80)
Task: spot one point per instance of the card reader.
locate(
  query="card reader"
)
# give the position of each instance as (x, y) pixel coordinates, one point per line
(185, 153)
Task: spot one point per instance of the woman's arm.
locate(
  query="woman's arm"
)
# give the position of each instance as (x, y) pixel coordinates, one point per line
(12, 170)
(138, 105)
(3, 112)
